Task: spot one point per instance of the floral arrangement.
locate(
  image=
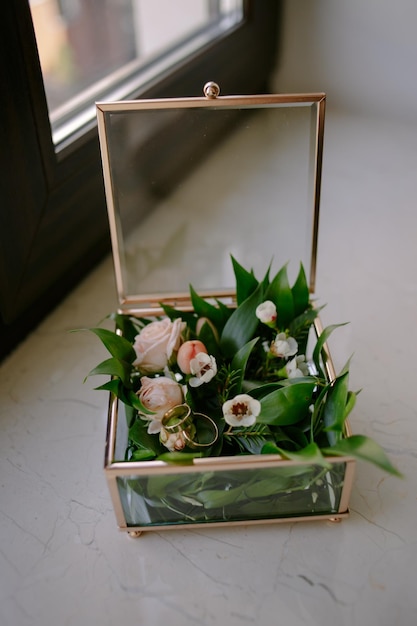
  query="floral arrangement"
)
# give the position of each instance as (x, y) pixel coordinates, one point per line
(221, 380)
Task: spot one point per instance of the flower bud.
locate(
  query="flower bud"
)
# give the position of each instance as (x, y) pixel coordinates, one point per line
(187, 352)
(266, 312)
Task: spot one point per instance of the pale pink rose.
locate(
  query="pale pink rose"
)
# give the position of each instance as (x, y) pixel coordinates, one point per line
(187, 352)
(156, 344)
(159, 395)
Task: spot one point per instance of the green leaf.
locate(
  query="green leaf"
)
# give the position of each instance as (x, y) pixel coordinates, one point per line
(334, 411)
(216, 498)
(203, 308)
(142, 455)
(180, 458)
(318, 348)
(363, 448)
(266, 487)
(270, 448)
(173, 314)
(350, 403)
(129, 397)
(250, 439)
(279, 292)
(303, 322)
(300, 293)
(239, 363)
(129, 326)
(258, 391)
(207, 336)
(118, 346)
(241, 325)
(139, 436)
(311, 454)
(114, 367)
(246, 283)
(287, 405)
(112, 385)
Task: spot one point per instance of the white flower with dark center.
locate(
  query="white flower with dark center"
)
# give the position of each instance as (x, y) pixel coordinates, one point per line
(204, 368)
(242, 410)
(283, 347)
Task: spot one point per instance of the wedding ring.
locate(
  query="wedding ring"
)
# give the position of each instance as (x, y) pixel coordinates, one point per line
(192, 443)
(177, 419)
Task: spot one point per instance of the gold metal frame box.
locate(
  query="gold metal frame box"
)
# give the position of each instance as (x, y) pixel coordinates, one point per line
(188, 182)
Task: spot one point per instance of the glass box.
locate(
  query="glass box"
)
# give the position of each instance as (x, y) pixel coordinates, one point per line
(190, 182)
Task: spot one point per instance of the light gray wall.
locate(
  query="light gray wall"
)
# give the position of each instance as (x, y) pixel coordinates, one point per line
(362, 53)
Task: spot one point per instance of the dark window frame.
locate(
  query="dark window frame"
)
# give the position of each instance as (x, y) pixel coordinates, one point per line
(53, 219)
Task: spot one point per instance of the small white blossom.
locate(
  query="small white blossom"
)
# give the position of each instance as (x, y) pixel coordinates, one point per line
(297, 367)
(175, 442)
(242, 410)
(266, 312)
(204, 368)
(283, 346)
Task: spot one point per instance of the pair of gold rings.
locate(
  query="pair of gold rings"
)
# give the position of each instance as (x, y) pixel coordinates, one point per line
(181, 420)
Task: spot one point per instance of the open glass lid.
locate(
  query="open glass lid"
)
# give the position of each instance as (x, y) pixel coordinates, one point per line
(191, 182)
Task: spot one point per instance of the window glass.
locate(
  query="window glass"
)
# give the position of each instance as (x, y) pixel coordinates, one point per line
(97, 49)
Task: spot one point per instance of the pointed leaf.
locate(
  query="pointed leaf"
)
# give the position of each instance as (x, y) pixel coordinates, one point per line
(317, 352)
(113, 367)
(174, 314)
(241, 325)
(203, 308)
(129, 327)
(180, 458)
(300, 293)
(366, 449)
(118, 346)
(287, 405)
(206, 335)
(311, 454)
(246, 282)
(142, 455)
(279, 291)
(334, 411)
(239, 363)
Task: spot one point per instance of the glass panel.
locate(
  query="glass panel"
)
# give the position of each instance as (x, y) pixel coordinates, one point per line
(89, 48)
(190, 187)
(233, 495)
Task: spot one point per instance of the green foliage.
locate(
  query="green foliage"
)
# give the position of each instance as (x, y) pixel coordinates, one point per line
(246, 282)
(241, 325)
(280, 292)
(365, 449)
(302, 419)
(287, 405)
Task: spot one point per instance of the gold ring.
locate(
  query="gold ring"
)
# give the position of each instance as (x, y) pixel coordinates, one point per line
(177, 419)
(191, 443)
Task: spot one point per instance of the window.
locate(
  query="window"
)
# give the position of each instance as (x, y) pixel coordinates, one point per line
(53, 219)
(91, 50)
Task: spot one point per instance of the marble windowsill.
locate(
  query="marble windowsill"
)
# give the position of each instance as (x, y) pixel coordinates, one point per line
(62, 559)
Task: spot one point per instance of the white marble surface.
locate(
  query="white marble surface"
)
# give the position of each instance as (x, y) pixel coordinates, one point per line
(62, 559)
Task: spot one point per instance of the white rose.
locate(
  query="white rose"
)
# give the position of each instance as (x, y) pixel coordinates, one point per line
(159, 395)
(155, 345)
